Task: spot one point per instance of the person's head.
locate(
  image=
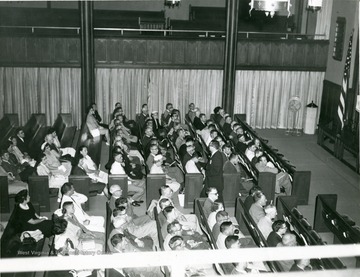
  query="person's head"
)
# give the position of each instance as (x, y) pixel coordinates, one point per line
(181, 133)
(149, 132)
(119, 119)
(144, 109)
(67, 189)
(154, 149)
(217, 109)
(20, 132)
(253, 190)
(155, 114)
(115, 191)
(119, 212)
(263, 160)
(163, 203)
(191, 106)
(257, 143)
(118, 105)
(232, 242)
(217, 206)
(270, 211)
(119, 242)
(47, 148)
(174, 228)
(190, 149)
(202, 117)
(13, 140)
(239, 131)
(169, 107)
(177, 243)
(22, 197)
(220, 141)
(197, 112)
(234, 159)
(118, 157)
(212, 194)
(222, 112)
(59, 226)
(259, 198)
(214, 146)
(121, 202)
(226, 148)
(83, 151)
(302, 263)
(169, 213)
(227, 228)
(279, 226)
(222, 216)
(251, 147)
(5, 155)
(213, 134)
(258, 153)
(228, 119)
(68, 208)
(166, 191)
(289, 240)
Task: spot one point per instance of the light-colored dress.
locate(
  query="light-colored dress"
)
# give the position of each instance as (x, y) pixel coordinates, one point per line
(87, 162)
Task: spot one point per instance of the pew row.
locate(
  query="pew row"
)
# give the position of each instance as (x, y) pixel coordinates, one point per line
(220, 268)
(64, 129)
(306, 235)
(326, 219)
(249, 227)
(300, 179)
(8, 125)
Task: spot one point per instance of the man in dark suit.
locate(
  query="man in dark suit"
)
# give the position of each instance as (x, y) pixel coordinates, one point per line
(200, 122)
(143, 116)
(22, 144)
(214, 170)
(157, 128)
(165, 117)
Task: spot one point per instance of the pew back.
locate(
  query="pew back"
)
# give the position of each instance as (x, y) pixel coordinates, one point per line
(121, 180)
(4, 194)
(153, 184)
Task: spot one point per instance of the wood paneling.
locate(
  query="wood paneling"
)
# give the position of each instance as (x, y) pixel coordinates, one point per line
(165, 53)
(329, 102)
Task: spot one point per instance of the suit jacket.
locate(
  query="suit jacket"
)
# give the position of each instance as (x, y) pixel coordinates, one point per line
(229, 168)
(214, 172)
(198, 124)
(227, 129)
(165, 117)
(256, 212)
(273, 239)
(141, 120)
(22, 145)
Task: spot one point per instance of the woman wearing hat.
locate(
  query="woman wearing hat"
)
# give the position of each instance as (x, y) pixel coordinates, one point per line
(157, 169)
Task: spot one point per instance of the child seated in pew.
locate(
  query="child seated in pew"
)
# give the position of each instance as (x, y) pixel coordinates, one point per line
(215, 208)
(193, 239)
(23, 158)
(91, 169)
(227, 228)
(53, 163)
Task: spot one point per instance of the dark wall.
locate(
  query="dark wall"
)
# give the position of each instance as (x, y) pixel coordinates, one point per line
(309, 55)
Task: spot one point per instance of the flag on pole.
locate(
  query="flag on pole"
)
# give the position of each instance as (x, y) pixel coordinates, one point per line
(345, 84)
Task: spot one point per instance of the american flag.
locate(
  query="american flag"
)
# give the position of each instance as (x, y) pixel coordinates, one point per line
(345, 83)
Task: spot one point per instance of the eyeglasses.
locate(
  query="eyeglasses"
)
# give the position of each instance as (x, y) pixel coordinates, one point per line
(215, 193)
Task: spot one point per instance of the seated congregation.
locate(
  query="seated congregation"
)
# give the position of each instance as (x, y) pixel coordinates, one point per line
(151, 146)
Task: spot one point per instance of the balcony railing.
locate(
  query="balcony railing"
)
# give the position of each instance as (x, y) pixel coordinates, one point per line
(47, 30)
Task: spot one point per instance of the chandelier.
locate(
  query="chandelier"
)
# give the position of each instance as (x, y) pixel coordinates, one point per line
(172, 3)
(314, 5)
(270, 6)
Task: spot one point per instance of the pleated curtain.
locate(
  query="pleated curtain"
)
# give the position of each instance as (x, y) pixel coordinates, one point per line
(40, 90)
(262, 95)
(323, 20)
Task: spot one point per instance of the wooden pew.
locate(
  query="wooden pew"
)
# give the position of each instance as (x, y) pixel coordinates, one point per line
(4, 194)
(221, 268)
(193, 187)
(81, 185)
(33, 125)
(8, 125)
(39, 192)
(37, 141)
(249, 227)
(300, 179)
(64, 129)
(326, 219)
(286, 207)
(153, 184)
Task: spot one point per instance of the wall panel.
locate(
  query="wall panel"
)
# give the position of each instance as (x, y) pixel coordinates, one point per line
(165, 53)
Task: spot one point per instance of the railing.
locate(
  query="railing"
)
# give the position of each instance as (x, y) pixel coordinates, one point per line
(178, 260)
(170, 32)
